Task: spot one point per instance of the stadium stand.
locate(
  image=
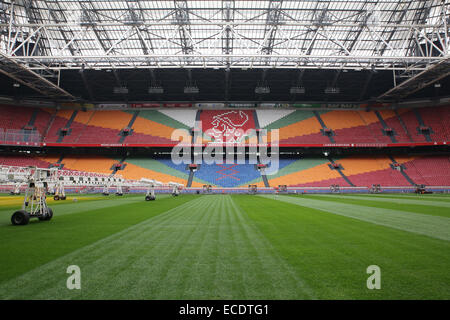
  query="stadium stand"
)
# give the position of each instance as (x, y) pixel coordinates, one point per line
(229, 175)
(368, 170)
(156, 127)
(74, 122)
(412, 125)
(295, 126)
(391, 121)
(18, 118)
(267, 117)
(299, 127)
(306, 172)
(352, 126)
(106, 125)
(348, 126)
(23, 161)
(433, 171)
(362, 171)
(14, 117)
(438, 121)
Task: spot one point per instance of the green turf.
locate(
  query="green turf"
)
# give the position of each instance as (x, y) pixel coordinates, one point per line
(231, 247)
(23, 248)
(437, 208)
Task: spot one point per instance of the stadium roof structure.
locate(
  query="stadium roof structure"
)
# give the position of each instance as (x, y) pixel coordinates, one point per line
(40, 38)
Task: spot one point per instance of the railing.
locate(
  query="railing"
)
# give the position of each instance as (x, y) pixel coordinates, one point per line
(97, 189)
(311, 190)
(19, 137)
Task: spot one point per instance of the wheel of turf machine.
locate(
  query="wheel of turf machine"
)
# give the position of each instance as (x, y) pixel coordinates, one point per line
(56, 198)
(48, 216)
(20, 217)
(63, 198)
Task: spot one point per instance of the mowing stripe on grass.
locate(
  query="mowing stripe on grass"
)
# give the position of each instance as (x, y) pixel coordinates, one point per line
(425, 197)
(64, 208)
(203, 249)
(441, 204)
(331, 252)
(23, 248)
(421, 209)
(433, 226)
(44, 273)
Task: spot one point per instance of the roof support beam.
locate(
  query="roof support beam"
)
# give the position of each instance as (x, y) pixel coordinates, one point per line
(182, 19)
(90, 17)
(31, 79)
(273, 19)
(34, 16)
(58, 16)
(398, 20)
(125, 61)
(227, 34)
(422, 80)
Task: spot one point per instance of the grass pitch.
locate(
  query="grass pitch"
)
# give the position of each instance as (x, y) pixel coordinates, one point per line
(230, 247)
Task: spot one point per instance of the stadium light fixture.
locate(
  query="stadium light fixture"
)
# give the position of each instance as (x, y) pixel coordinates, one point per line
(191, 89)
(297, 90)
(120, 90)
(262, 89)
(332, 90)
(156, 90)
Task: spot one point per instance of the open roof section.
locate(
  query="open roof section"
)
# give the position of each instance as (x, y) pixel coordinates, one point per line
(350, 34)
(41, 38)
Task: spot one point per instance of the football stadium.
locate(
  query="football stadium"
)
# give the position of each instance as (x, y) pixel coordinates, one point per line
(224, 150)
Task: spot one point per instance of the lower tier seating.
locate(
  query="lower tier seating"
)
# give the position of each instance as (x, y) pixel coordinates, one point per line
(432, 170)
(229, 174)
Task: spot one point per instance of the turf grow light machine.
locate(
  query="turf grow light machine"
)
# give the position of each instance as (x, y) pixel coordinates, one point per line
(151, 184)
(16, 177)
(176, 188)
(59, 192)
(35, 200)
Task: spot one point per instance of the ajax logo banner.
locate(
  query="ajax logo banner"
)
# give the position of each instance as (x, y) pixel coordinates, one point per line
(228, 126)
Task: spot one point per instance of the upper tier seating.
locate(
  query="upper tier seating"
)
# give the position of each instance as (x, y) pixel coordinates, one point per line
(347, 126)
(410, 120)
(438, 120)
(156, 127)
(13, 119)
